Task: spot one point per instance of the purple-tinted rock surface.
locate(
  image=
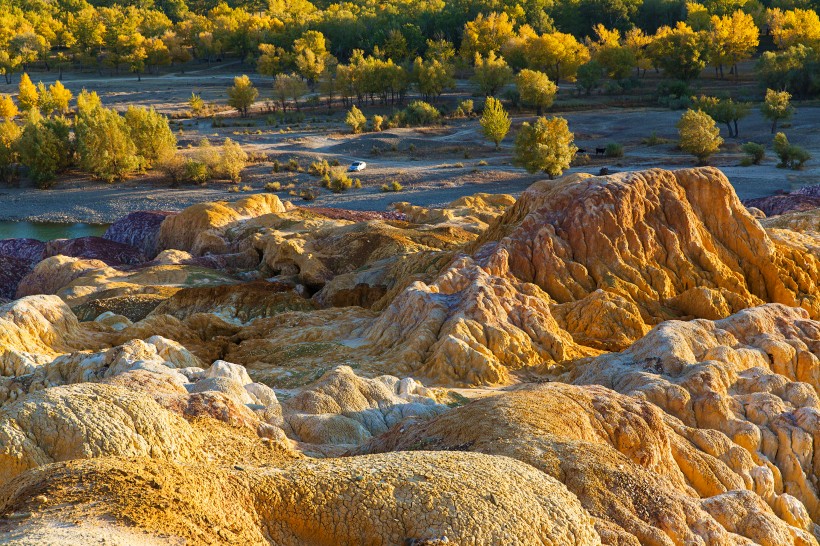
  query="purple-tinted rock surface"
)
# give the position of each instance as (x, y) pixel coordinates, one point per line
(139, 229)
(28, 250)
(12, 271)
(96, 248)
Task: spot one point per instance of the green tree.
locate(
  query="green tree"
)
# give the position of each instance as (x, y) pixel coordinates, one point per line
(27, 96)
(777, 106)
(289, 87)
(546, 145)
(45, 148)
(242, 95)
(536, 89)
(310, 55)
(151, 134)
(433, 76)
(589, 76)
(9, 137)
(491, 73)
(699, 135)
(495, 121)
(681, 52)
(725, 111)
(355, 120)
(104, 145)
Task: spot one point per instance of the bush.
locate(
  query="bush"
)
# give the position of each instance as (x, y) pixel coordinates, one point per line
(377, 122)
(613, 149)
(340, 183)
(791, 156)
(195, 172)
(308, 194)
(655, 140)
(319, 168)
(276, 166)
(392, 187)
(420, 113)
(755, 152)
(465, 109)
(293, 166)
(231, 161)
(482, 163)
(273, 186)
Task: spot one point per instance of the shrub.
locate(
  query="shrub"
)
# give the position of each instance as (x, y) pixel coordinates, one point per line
(234, 189)
(465, 109)
(377, 122)
(655, 140)
(791, 156)
(293, 166)
(355, 120)
(482, 163)
(419, 113)
(276, 166)
(613, 149)
(392, 187)
(357, 183)
(197, 104)
(308, 194)
(247, 188)
(231, 161)
(273, 186)
(755, 152)
(195, 172)
(340, 183)
(319, 168)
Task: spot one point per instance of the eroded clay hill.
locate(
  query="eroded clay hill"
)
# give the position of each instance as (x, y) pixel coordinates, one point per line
(623, 360)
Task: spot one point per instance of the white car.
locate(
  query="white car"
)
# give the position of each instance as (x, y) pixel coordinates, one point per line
(357, 166)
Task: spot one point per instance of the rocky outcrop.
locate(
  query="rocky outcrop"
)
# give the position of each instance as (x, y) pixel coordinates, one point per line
(752, 376)
(643, 476)
(378, 499)
(192, 229)
(783, 204)
(96, 248)
(83, 421)
(140, 230)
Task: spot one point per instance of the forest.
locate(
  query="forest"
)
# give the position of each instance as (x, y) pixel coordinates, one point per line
(358, 49)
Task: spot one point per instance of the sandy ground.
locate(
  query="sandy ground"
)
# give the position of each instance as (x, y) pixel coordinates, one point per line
(436, 165)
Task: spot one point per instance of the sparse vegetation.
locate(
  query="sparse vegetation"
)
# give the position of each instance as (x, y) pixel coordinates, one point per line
(791, 156)
(393, 186)
(613, 149)
(754, 153)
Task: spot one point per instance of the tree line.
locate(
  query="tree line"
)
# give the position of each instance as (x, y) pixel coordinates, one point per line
(378, 50)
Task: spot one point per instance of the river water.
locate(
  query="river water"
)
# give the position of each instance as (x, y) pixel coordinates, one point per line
(47, 231)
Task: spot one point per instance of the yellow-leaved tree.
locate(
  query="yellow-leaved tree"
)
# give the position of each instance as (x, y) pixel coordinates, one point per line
(27, 96)
(495, 121)
(242, 94)
(536, 89)
(699, 135)
(558, 54)
(484, 35)
(546, 145)
(8, 110)
(732, 39)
